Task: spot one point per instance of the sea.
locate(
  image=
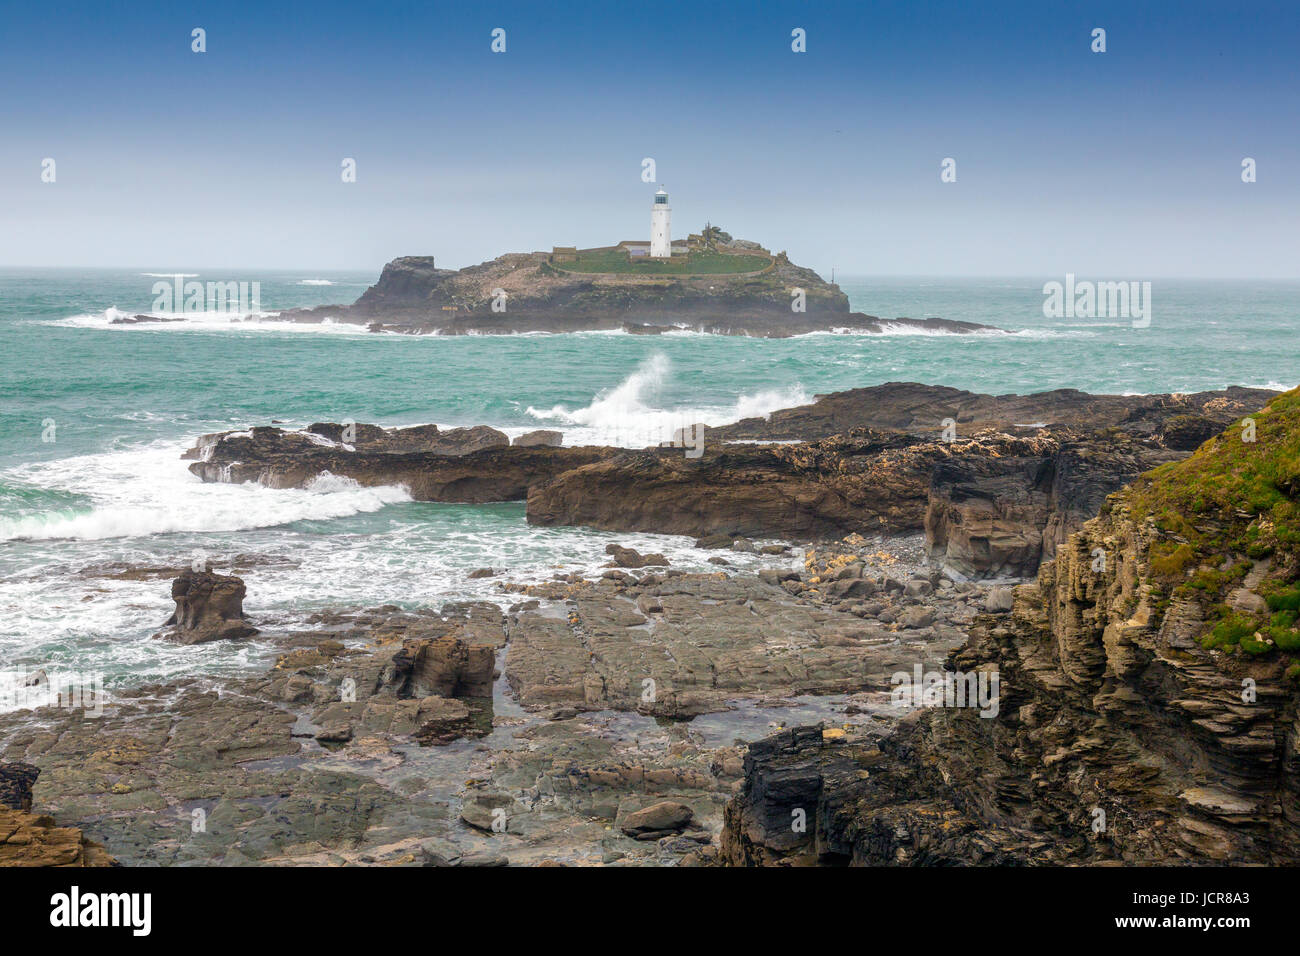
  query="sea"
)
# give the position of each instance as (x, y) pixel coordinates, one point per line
(94, 417)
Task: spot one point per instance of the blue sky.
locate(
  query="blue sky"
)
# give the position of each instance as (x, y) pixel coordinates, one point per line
(1122, 164)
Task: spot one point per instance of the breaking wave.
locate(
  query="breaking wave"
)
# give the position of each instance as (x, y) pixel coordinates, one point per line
(632, 414)
(146, 491)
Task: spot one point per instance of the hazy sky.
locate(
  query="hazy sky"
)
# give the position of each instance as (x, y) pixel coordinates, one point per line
(1123, 164)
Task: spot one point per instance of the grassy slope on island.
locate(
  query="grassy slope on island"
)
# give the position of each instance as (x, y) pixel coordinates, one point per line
(694, 263)
(1228, 509)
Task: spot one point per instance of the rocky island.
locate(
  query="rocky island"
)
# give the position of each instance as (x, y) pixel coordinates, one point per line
(712, 284)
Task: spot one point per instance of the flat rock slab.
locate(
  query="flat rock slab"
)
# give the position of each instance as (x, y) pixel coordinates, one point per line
(689, 644)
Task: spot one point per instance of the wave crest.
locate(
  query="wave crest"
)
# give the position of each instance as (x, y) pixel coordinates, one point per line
(145, 491)
(631, 415)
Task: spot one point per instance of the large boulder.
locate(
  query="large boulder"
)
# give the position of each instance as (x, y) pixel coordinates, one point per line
(209, 607)
(542, 438)
(490, 812)
(1001, 509)
(445, 667)
(667, 816)
(999, 601)
(631, 558)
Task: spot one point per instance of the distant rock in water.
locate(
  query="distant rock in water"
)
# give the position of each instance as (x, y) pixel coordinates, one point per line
(533, 292)
(209, 607)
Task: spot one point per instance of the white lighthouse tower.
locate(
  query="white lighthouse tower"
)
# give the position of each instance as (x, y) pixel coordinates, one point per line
(661, 241)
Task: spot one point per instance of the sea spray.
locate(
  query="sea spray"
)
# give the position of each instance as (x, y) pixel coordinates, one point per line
(632, 414)
(145, 491)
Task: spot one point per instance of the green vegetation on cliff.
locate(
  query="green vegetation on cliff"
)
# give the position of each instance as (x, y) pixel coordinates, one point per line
(694, 263)
(1226, 513)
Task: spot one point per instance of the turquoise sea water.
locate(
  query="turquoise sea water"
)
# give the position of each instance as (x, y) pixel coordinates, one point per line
(124, 401)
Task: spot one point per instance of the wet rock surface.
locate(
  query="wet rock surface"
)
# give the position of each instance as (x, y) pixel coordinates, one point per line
(477, 736)
(416, 439)
(542, 436)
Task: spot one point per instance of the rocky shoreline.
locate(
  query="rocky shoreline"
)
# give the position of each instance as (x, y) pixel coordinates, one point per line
(656, 716)
(383, 736)
(996, 483)
(1149, 714)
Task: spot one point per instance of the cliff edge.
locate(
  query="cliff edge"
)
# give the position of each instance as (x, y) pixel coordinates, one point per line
(1147, 698)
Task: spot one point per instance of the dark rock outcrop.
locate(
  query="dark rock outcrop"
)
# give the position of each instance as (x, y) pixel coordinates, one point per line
(996, 498)
(446, 667)
(286, 459)
(417, 438)
(16, 782)
(209, 607)
(1140, 719)
(990, 505)
(854, 483)
(1180, 422)
(1001, 513)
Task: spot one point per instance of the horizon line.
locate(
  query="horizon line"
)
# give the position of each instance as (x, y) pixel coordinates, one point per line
(163, 271)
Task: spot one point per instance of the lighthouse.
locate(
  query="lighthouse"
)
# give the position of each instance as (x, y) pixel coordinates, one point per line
(661, 242)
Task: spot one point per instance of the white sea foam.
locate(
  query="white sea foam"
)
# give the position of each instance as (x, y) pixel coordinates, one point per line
(902, 328)
(147, 490)
(890, 329)
(206, 321)
(632, 415)
(1271, 386)
(315, 282)
(62, 611)
(763, 404)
